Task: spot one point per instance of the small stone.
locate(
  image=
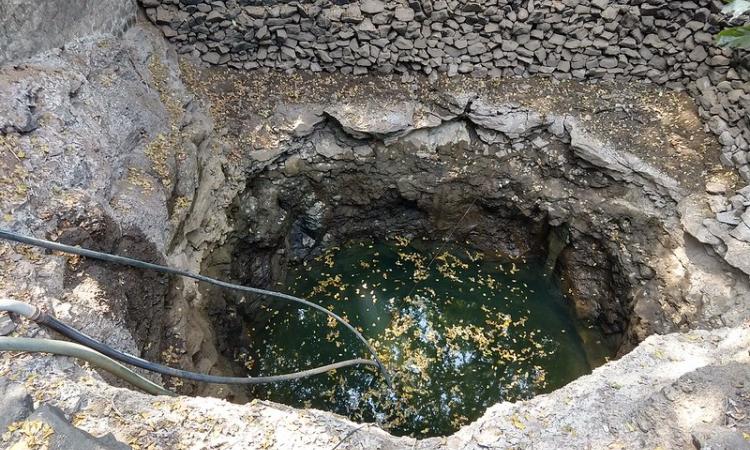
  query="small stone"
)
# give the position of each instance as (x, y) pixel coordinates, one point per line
(381, 18)
(164, 15)
(715, 187)
(372, 6)
(435, 52)
(695, 25)
(15, 402)
(601, 4)
(403, 44)
(404, 14)
(211, 57)
(473, 8)
(367, 26)
(610, 13)
(628, 42)
(724, 86)
(214, 16)
(465, 67)
(476, 49)
(718, 60)
(608, 63)
(539, 143)
(654, 41)
(168, 31)
(735, 95)
(533, 44)
(262, 33)
(352, 14)
(728, 217)
(741, 232)
(563, 66)
(257, 12)
(745, 173)
(739, 158)
(698, 54)
(557, 40)
(288, 52)
(658, 62)
(508, 45)
(726, 138)
(702, 37)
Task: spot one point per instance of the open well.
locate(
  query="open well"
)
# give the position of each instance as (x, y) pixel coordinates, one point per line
(512, 188)
(500, 185)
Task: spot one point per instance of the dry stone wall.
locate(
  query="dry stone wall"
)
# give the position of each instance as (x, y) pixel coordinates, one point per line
(668, 43)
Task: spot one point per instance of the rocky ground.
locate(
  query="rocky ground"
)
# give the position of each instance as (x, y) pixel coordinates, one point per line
(111, 144)
(580, 40)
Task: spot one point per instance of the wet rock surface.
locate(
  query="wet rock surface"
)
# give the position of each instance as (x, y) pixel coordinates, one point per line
(120, 156)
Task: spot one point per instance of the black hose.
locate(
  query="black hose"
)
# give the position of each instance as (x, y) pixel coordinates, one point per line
(81, 338)
(9, 235)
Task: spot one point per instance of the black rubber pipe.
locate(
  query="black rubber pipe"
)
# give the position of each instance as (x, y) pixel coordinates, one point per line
(33, 313)
(81, 338)
(49, 245)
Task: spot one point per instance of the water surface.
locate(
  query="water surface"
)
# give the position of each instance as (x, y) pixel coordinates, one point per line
(459, 330)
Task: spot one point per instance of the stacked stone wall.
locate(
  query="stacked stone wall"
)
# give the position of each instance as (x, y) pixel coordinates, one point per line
(667, 43)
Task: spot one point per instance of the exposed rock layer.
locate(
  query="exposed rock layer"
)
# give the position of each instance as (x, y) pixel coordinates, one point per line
(31, 27)
(670, 44)
(493, 174)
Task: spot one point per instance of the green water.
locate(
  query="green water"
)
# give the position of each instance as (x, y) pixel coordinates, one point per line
(459, 335)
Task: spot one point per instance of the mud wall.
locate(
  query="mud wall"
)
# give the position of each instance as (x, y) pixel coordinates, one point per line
(30, 27)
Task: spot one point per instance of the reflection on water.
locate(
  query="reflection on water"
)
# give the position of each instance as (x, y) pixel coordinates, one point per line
(459, 335)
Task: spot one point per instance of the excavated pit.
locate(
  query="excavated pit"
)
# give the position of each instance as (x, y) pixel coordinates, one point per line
(617, 184)
(293, 214)
(572, 176)
(513, 178)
